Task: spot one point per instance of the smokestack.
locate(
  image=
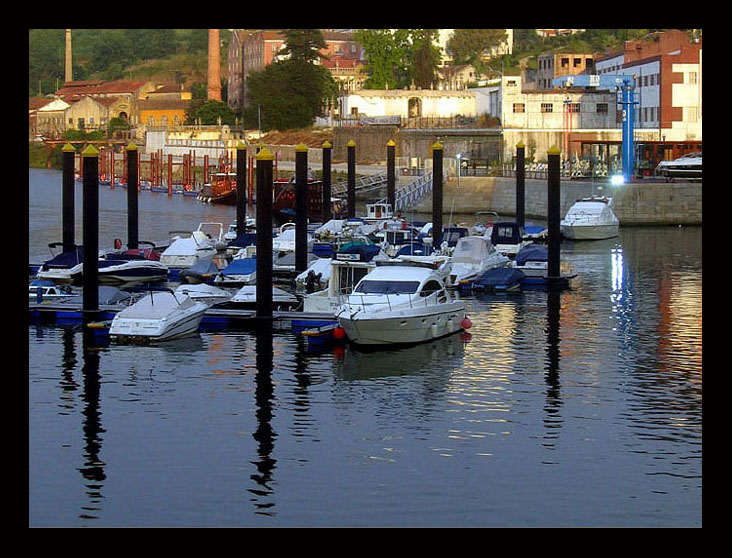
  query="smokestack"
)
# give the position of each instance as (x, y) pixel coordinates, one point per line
(69, 74)
(214, 69)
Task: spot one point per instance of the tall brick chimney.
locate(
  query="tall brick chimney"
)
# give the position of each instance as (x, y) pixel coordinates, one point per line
(68, 76)
(214, 67)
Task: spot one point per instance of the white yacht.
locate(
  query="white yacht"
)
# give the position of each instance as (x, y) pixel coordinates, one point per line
(590, 219)
(398, 304)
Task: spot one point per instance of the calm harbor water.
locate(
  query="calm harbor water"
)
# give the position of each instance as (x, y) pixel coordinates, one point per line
(582, 408)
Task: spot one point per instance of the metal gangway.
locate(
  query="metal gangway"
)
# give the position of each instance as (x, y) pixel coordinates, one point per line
(363, 184)
(408, 196)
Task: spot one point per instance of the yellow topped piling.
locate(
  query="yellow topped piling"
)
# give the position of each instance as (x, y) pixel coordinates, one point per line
(301, 147)
(90, 151)
(264, 155)
(327, 145)
(131, 147)
(68, 147)
(437, 145)
(351, 144)
(553, 150)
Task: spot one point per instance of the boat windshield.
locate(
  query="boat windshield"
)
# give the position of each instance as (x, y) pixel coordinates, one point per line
(387, 287)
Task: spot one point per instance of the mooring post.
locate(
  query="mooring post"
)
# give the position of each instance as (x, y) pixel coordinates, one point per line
(264, 234)
(553, 192)
(170, 174)
(241, 187)
(90, 276)
(351, 179)
(520, 183)
(437, 154)
(132, 189)
(327, 152)
(301, 207)
(69, 157)
(391, 174)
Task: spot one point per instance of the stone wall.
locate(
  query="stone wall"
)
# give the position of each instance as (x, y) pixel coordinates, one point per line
(659, 203)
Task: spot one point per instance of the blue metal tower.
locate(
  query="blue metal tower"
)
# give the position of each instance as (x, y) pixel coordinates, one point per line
(626, 86)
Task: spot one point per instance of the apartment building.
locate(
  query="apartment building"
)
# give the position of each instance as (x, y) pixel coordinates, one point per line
(668, 76)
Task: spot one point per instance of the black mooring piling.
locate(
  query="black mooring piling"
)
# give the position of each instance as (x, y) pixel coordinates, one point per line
(520, 183)
(351, 179)
(437, 154)
(241, 187)
(264, 234)
(327, 152)
(391, 174)
(69, 157)
(553, 218)
(90, 276)
(132, 189)
(301, 207)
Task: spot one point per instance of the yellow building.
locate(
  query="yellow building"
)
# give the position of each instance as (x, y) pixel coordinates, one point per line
(163, 112)
(165, 106)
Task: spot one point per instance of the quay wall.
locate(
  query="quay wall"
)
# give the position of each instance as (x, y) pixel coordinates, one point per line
(642, 203)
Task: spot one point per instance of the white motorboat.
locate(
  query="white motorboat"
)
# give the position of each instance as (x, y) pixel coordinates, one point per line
(65, 267)
(686, 166)
(590, 219)
(250, 223)
(240, 271)
(46, 290)
(185, 251)
(201, 292)
(158, 316)
(532, 260)
(246, 299)
(116, 268)
(284, 242)
(401, 304)
(472, 256)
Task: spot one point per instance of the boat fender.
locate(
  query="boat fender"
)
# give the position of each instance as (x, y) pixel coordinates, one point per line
(188, 188)
(466, 323)
(339, 333)
(404, 225)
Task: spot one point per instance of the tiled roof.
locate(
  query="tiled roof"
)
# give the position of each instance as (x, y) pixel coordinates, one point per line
(34, 103)
(102, 88)
(163, 104)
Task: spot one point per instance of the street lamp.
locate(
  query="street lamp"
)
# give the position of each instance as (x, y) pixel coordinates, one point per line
(459, 168)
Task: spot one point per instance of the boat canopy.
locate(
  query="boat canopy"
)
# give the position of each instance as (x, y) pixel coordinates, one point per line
(65, 259)
(506, 233)
(471, 250)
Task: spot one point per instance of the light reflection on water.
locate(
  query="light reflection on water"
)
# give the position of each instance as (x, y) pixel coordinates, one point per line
(582, 408)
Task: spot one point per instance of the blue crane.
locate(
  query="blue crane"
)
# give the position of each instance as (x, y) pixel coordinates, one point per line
(626, 84)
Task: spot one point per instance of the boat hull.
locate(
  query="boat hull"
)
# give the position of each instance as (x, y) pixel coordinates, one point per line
(589, 232)
(402, 327)
(133, 330)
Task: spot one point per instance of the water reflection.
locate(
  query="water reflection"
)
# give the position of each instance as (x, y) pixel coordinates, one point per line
(552, 419)
(360, 363)
(93, 468)
(264, 434)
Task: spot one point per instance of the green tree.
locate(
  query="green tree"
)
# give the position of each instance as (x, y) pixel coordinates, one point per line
(468, 45)
(210, 112)
(290, 93)
(396, 58)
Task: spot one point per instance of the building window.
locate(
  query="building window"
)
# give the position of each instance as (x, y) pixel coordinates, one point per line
(574, 107)
(547, 107)
(602, 108)
(519, 108)
(692, 77)
(565, 62)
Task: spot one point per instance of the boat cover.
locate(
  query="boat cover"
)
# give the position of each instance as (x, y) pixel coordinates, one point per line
(156, 305)
(499, 277)
(201, 270)
(415, 249)
(242, 266)
(532, 253)
(366, 252)
(244, 239)
(471, 250)
(65, 259)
